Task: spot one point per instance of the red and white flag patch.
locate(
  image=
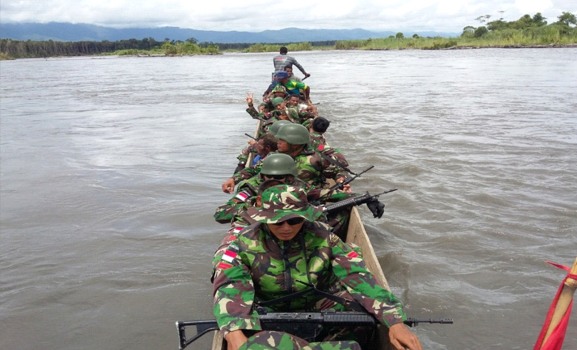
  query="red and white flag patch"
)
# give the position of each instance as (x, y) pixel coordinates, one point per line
(352, 255)
(242, 196)
(229, 256)
(223, 265)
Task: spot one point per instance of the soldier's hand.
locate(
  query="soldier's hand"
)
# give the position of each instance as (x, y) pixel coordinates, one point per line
(347, 188)
(235, 339)
(402, 338)
(228, 185)
(376, 207)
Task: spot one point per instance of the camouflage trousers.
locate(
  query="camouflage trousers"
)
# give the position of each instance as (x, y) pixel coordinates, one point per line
(273, 340)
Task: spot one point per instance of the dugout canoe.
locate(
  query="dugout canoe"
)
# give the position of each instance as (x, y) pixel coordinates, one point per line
(356, 234)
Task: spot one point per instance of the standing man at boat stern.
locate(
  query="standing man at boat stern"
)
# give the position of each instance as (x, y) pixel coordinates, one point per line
(282, 60)
(288, 261)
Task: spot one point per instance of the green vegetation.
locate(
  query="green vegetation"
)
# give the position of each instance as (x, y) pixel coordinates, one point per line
(527, 31)
(274, 47)
(145, 47)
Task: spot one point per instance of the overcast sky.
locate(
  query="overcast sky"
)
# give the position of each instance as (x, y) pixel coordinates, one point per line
(258, 15)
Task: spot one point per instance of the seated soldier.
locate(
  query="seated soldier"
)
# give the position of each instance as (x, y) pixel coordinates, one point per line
(277, 91)
(242, 172)
(276, 166)
(281, 112)
(314, 166)
(294, 87)
(281, 168)
(317, 129)
(259, 148)
(316, 263)
(264, 111)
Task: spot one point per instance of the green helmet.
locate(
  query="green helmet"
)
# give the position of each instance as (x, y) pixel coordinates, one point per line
(278, 164)
(273, 129)
(295, 134)
(277, 101)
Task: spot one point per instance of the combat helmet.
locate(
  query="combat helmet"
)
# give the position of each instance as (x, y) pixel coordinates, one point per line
(295, 134)
(273, 129)
(277, 101)
(278, 164)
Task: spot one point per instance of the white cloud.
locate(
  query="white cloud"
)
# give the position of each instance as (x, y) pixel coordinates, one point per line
(258, 15)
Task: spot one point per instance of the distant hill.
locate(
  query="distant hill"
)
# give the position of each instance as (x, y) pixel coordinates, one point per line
(88, 32)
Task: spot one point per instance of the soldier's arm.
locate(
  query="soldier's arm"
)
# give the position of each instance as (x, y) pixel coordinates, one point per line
(233, 293)
(225, 213)
(351, 270)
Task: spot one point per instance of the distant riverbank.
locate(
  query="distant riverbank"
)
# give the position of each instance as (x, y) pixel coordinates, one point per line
(495, 35)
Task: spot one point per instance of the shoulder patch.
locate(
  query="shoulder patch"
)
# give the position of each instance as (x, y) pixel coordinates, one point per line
(352, 255)
(229, 255)
(242, 196)
(223, 265)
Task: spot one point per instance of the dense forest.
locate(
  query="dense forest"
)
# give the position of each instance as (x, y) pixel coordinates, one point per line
(147, 46)
(527, 31)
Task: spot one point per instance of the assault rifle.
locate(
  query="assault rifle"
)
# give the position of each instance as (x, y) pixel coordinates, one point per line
(252, 137)
(340, 185)
(358, 200)
(307, 325)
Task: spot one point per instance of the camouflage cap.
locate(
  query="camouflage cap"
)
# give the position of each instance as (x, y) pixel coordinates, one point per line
(283, 202)
(279, 88)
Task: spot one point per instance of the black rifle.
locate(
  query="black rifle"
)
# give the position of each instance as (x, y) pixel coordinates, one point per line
(251, 137)
(340, 185)
(307, 325)
(358, 200)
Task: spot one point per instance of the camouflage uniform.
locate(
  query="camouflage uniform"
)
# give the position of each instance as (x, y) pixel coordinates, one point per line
(257, 267)
(273, 340)
(315, 167)
(318, 139)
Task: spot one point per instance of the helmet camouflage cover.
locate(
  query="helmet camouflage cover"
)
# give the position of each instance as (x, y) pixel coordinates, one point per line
(279, 88)
(283, 202)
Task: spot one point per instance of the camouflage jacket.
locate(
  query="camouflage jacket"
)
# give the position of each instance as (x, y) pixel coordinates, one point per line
(315, 167)
(242, 199)
(257, 267)
(231, 211)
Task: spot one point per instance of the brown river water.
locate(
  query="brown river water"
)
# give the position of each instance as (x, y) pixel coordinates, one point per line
(111, 170)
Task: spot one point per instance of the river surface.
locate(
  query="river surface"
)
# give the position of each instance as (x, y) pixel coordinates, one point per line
(111, 171)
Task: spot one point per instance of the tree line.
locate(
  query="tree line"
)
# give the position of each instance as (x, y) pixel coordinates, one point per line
(49, 48)
(526, 31)
(535, 25)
